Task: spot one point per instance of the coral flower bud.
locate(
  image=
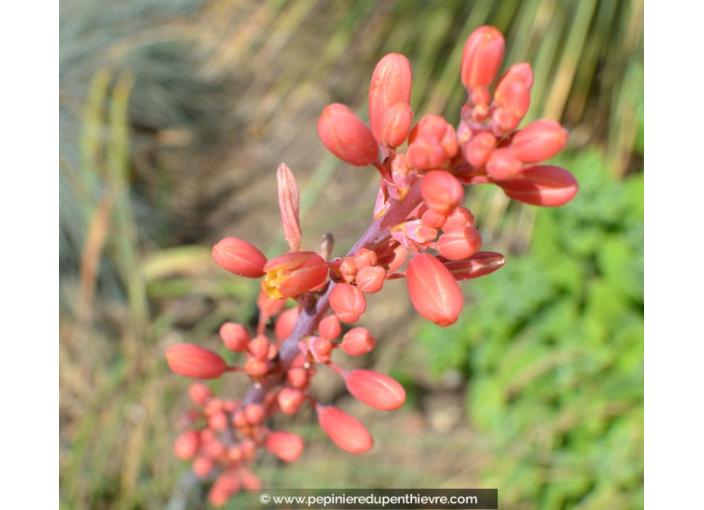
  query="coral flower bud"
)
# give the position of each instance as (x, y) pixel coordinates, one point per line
(358, 341)
(194, 361)
(479, 148)
(239, 257)
(460, 243)
(441, 191)
(250, 481)
(482, 57)
(511, 101)
(285, 323)
(344, 430)
(346, 136)
(256, 367)
(186, 446)
(348, 269)
(347, 302)
(293, 273)
(522, 73)
(364, 258)
(297, 377)
(479, 264)
(396, 123)
(376, 390)
(321, 349)
(290, 400)
(390, 85)
(234, 336)
(371, 279)
(460, 217)
(538, 141)
(199, 393)
(544, 185)
(330, 327)
(433, 290)
(433, 219)
(431, 144)
(502, 165)
(202, 466)
(259, 347)
(285, 445)
(218, 421)
(268, 307)
(255, 413)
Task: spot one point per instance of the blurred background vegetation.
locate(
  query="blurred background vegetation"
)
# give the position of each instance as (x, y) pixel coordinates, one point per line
(174, 116)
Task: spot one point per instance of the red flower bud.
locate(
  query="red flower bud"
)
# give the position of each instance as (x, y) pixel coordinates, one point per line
(290, 400)
(482, 57)
(285, 323)
(371, 279)
(538, 141)
(218, 421)
(545, 185)
(330, 327)
(460, 217)
(358, 341)
(344, 430)
(239, 257)
(376, 390)
(199, 393)
(477, 265)
(432, 143)
(502, 165)
(433, 290)
(460, 243)
(348, 269)
(268, 307)
(511, 101)
(187, 444)
(255, 413)
(288, 203)
(441, 191)
(202, 466)
(396, 123)
(518, 72)
(321, 349)
(479, 149)
(346, 136)
(259, 347)
(433, 219)
(364, 258)
(235, 336)
(294, 273)
(297, 377)
(347, 302)
(194, 361)
(285, 445)
(256, 367)
(390, 85)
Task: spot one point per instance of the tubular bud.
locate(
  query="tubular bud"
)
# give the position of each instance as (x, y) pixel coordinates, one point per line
(376, 390)
(479, 149)
(330, 327)
(390, 85)
(234, 336)
(285, 445)
(433, 290)
(358, 341)
(288, 203)
(239, 257)
(293, 273)
(285, 323)
(538, 141)
(194, 361)
(544, 185)
(460, 217)
(396, 124)
(479, 264)
(187, 444)
(347, 302)
(344, 430)
(482, 57)
(346, 136)
(441, 191)
(502, 165)
(460, 243)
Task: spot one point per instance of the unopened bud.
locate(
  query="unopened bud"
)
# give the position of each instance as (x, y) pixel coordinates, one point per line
(347, 302)
(239, 257)
(289, 205)
(479, 149)
(365, 258)
(502, 165)
(330, 327)
(186, 446)
(482, 57)
(441, 191)
(203, 466)
(432, 143)
(545, 185)
(321, 349)
(460, 217)
(199, 393)
(433, 290)
(390, 85)
(539, 141)
(259, 347)
(371, 279)
(376, 390)
(479, 264)
(460, 243)
(255, 413)
(194, 361)
(290, 400)
(358, 341)
(344, 430)
(234, 336)
(285, 445)
(285, 323)
(396, 123)
(346, 136)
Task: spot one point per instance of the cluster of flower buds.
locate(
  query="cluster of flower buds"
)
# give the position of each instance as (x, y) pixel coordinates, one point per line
(419, 220)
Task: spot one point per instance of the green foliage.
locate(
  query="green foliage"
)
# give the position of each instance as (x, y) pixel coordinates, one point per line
(553, 348)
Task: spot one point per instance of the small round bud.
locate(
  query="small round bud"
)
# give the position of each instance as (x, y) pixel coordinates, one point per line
(358, 341)
(235, 336)
(187, 444)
